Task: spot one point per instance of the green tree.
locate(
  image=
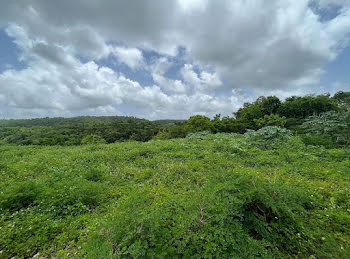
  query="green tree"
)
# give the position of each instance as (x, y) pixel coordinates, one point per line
(333, 124)
(268, 105)
(271, 120)
(302, 107)
(199, 123)
(342, 97)
(344, 100)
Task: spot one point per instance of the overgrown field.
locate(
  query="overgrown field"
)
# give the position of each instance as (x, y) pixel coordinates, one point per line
(223, 196)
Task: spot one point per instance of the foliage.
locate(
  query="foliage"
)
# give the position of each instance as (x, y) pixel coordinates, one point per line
(302, 107)
(319, 140)
(271, 120)
(198, 123)
(179, 130)
(208, 195)
(334, 124)
(93, 139)
(265, 111)
(199, 135)
(19, 195)
(343, 98)
(262, 106)
(227, 124)
(268, 137)
(71, 131)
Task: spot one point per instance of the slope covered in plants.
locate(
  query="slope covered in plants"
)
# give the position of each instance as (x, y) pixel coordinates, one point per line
(263, 194)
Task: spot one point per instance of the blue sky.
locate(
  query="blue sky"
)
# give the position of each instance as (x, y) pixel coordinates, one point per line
(170, 59)
(338, 70)
(9, 53)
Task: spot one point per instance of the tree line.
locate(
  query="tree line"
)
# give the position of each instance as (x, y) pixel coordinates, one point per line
(79, 130)
(319, 119)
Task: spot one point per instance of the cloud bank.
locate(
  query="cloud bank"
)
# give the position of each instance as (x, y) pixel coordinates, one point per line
(202, 56)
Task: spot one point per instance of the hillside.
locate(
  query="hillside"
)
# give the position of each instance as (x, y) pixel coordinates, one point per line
(222, 195)
(72, 131)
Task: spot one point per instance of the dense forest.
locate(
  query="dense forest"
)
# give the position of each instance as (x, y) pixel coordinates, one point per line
(79, 130)
(321, 120)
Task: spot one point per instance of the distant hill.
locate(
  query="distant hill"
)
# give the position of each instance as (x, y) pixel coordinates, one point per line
(71, 131)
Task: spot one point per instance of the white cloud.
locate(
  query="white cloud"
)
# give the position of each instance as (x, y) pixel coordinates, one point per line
(158, 68)
(129, 56)
(56, 83)
(284, 43)
(284, 46)
(204, 82)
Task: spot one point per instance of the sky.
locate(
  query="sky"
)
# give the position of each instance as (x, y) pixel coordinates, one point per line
(167, 59)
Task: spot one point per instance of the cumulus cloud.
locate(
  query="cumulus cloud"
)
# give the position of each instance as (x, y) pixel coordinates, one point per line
(56, 83)
(130, 56)
(204, 82)
(260, 46)
(284, 42)
(158, 69)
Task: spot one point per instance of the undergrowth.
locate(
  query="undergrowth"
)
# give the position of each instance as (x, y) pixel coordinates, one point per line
(223, 195)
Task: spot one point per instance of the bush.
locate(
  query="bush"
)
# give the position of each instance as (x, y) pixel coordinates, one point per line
(271, 120)
(19, 195)
(318, 140)
(268, 137)
(93, 139)
(94, 175)
(224, 219)
(198, 135)
(334, 124)
(68, 196)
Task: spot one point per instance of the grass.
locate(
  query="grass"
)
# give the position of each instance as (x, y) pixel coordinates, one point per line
(206, 196)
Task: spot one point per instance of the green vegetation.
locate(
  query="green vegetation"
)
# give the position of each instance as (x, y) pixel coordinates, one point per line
(263, 194)
(279, 189)
(295, 113)
(318, 120)
(73, 131)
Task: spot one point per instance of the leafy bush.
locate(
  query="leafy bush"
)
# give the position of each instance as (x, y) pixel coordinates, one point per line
(93, 139)
(302, 107)
(319, 140)
(198, 123)
(199, 135)
(94, 174)
(19, 195)
(271, 120)
(268, 137)
(64, 195)
(335, 124)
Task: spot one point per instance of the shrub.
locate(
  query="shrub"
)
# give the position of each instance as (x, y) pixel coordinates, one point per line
(93, 139)
(69, 193)
(225, 219)
(19, 195)
(198, 135)
(271, 120)
(268, 137)
(318, 140)
(94, 175)
(334, 124)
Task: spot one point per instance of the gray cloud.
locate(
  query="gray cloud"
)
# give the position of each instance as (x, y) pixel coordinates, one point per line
(264, 46)
(57, 83)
